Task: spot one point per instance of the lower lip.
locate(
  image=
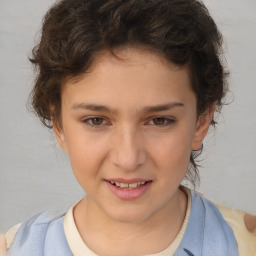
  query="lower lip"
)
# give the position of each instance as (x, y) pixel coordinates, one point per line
(129, 194)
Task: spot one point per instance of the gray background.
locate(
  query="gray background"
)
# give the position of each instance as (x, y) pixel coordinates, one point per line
(35, 175)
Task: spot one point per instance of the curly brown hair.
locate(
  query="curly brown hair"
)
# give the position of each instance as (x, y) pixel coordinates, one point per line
(74, 31)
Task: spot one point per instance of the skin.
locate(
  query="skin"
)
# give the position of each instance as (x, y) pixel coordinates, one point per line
(131, 145)
(250, 222)
(2, 245)
(129, 142)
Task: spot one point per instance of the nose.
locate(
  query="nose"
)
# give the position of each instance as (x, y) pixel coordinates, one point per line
(128, 149)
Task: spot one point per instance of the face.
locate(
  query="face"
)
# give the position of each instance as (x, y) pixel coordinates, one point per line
(129, 127)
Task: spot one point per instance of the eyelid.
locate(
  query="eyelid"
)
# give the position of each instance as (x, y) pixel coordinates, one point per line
(168, 121)
(87, 120)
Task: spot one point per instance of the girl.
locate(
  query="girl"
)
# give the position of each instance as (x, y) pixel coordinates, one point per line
(130, 89)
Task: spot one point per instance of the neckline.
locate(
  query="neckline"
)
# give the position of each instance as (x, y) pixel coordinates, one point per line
(79, 248)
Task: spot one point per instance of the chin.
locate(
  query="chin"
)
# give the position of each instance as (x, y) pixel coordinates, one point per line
(129, 215)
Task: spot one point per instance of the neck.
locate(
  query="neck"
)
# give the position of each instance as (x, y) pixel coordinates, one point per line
(151, 235)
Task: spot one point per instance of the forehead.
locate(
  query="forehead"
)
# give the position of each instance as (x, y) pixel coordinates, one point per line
(130, 74)
(133, 57)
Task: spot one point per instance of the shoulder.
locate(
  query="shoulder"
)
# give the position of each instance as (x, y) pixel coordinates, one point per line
(2, 244)
(243, 226)
(6, 239)
(34, 230)
(10, 234)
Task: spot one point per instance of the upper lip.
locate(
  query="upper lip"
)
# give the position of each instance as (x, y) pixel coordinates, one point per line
(127, 181)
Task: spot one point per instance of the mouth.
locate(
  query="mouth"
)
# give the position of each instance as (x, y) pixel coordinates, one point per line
(123, 185)
(128, 189)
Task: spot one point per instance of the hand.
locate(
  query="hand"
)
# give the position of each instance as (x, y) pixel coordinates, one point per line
(250, 222)
(2, 245)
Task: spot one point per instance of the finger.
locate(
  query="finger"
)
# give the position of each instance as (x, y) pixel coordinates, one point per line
(250, 222)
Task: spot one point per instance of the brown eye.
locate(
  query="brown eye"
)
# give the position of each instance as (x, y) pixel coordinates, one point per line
(159, 121)
(97, 120)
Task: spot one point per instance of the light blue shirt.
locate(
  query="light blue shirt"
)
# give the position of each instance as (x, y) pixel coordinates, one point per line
(207, 234)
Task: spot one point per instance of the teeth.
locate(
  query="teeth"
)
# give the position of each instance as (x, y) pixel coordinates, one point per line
(134, 185)
(124, 185)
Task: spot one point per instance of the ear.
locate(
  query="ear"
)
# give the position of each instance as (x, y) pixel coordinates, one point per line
(60, 136)
(202, 126)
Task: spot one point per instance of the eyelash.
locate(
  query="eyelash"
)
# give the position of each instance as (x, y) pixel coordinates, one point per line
(88, 121)
(167, 121)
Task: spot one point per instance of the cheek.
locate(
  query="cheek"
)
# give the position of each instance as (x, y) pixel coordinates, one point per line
(86, 155)
(172, 154)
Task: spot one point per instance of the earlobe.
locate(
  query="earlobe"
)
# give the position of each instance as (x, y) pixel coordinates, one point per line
(202, 127)
(59, 134)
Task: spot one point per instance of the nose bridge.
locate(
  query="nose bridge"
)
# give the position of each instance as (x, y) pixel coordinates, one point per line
(128, 148)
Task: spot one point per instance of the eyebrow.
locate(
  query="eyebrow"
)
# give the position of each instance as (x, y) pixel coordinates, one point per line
(93, 107)
(163, 107)
(147, 109)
